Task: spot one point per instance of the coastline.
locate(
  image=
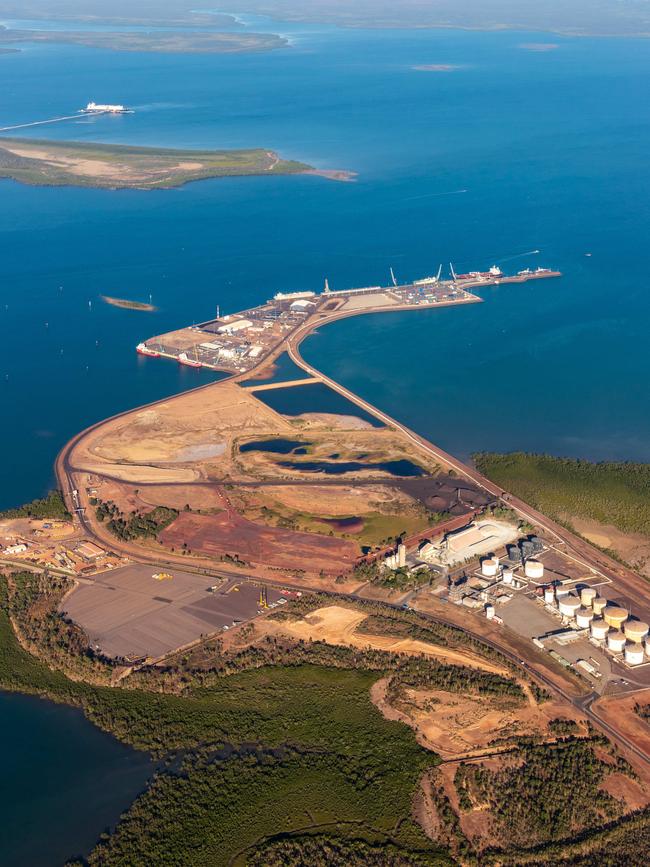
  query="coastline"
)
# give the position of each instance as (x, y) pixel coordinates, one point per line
(96, 165)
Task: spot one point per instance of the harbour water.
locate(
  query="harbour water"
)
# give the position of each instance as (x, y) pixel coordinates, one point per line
(64, 782)
(512, 149)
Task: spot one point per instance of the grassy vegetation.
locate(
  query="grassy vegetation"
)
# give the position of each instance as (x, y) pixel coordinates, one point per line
(168, 42)
(48, 163)
(283, 759)
(378, 528)
(320, 850)
(642, 710)
(611, 493)
(136, 525)
(324, 755)
(555, 788)
(32, 601)
(616, 844)
(51, 506)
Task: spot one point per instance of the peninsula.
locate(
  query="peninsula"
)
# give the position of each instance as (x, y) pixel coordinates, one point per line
(50, 163)
(258, 561)
(166, 42)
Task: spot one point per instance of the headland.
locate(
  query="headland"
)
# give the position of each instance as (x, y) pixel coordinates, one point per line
(165, 42)
(55, 163)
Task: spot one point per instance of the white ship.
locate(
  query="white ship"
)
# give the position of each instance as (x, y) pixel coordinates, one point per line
(100, 108)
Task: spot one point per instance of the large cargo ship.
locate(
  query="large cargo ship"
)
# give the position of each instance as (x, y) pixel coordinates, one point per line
(101, 108)
(143, 349)
(184, 358)
(494, 273)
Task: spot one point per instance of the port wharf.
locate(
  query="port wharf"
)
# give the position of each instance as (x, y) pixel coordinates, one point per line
(240, 342)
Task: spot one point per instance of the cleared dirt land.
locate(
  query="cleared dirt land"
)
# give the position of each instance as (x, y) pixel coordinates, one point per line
(230, 533)
(336, 624)
(456, 725)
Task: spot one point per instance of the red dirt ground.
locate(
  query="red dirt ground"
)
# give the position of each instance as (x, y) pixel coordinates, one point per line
(230, 533)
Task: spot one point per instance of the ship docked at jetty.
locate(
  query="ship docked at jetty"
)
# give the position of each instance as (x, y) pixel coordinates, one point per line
(239, 342)
(143, 349)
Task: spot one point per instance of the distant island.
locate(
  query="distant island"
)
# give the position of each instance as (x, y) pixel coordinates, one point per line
(49, 163)
(128, 305)
(168, 42)
(437, 67)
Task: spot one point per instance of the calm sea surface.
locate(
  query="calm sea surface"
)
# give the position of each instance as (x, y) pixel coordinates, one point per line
(513, 150)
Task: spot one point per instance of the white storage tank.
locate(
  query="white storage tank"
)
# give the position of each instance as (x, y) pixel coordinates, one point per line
(569, 606)
(508, 576)
(489, 612)
(635, 630)
(561, 591)
(647, 646)
(599, 629)
(534, 569)
(615, 616)
(587, 596)
(584, 616)
(615, 641)
(549, 596)
(490, 567)
(634, 653)
(599, 604)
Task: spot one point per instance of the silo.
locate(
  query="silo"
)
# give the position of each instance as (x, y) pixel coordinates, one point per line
(534, 569)
(569, 605)
(527, 548)
(514, 553)
(599, 629)
(615, 641)
(634, 653)
(615, 616)
(587, 596)
(489, 567)
(635, 630)
(549, 596)
(489, 612)
(599, 604)
(584, 616)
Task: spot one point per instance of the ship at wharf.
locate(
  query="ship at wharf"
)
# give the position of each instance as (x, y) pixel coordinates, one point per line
(238, 343)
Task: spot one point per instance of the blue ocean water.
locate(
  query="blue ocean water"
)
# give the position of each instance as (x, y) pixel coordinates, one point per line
(549, 147)
(64, 782)
(511, 151)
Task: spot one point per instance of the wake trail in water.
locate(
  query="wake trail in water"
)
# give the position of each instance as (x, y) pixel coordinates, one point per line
(434, 195)
(517, 255)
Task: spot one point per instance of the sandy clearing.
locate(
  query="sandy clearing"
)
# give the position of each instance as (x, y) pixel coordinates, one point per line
(197, 496)
(139, 473)
(339, 501)
(95, 167)
(632, 547)
(333, 420)
(335, 624)
(455, 724)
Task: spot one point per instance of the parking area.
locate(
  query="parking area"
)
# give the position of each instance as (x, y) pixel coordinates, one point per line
(138, 611)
